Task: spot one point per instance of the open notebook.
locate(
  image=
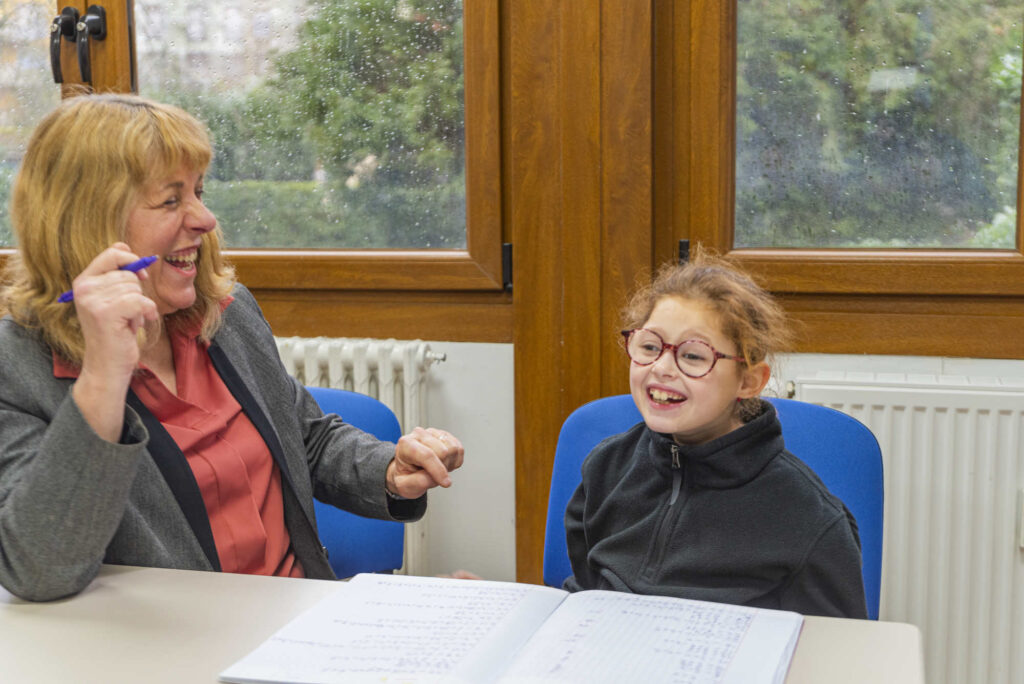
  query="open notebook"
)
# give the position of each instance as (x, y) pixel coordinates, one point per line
(393, 628)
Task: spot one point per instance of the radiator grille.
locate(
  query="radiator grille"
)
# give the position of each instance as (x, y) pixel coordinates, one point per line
(392, 371)
(954, 471)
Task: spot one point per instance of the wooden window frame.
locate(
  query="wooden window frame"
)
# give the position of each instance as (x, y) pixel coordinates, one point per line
(478, 267)
(915, 301)
(450, 294)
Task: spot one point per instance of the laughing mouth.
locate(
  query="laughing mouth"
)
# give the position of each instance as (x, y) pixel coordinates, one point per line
(665, 397)
(185, 261)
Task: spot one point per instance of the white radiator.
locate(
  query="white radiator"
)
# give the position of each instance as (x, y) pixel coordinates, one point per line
(395, 372)
(953, 553)
(390, 370)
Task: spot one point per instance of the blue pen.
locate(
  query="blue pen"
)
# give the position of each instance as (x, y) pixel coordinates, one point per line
(134, 267)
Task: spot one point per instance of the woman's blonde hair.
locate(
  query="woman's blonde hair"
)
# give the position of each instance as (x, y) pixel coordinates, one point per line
(87, 165)
(750, 317)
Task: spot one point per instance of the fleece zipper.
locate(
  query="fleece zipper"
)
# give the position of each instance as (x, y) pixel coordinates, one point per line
(663, 528)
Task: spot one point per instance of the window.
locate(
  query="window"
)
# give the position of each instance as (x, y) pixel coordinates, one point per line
(408, 201)
(938, 290)
(24, 89)
(337, 124)
(877, 125)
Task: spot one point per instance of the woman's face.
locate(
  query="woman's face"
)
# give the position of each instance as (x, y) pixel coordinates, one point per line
(169, 221)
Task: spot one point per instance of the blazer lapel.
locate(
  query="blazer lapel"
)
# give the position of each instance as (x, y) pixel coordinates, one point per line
(178, 475)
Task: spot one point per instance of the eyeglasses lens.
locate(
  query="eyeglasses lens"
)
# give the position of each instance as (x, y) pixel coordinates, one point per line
(695, 358)
(644, 346)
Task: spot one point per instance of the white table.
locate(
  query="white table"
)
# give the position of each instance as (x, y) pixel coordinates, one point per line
(176, 626)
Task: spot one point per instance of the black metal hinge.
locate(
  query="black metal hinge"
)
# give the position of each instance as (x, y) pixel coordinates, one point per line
(506, 265)
(684, 252)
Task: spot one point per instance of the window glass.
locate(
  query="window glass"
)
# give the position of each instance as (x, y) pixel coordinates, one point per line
(27, 90)
(877, 124)
(336, 123)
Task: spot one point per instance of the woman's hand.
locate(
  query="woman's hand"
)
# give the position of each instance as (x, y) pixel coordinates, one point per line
(423, 459)
(111, 310)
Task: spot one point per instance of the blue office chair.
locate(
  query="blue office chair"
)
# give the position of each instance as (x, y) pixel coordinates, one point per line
(840, 449)
(356, 544)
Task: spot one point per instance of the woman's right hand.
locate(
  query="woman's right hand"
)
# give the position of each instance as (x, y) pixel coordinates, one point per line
(111, 309)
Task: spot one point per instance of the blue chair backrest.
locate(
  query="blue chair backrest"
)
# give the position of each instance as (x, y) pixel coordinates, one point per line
(356, 544)
(840, 449)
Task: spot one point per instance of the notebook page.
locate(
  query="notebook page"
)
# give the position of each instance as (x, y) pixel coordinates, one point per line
(600, 636)
(772, 635)
(392, 628)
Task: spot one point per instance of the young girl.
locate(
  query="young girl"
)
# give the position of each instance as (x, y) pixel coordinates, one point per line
(702, 500)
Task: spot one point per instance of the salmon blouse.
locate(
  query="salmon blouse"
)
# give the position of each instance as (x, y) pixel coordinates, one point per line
(237, 476)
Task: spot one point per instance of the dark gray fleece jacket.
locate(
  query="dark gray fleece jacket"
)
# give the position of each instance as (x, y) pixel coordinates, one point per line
(737, 520)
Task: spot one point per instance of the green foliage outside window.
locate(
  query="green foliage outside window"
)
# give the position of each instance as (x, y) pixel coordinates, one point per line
(354, 140)
(6, 178)
(378, 87)
(891, 123)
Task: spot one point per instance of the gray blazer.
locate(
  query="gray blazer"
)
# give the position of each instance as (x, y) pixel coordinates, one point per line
(70, 501)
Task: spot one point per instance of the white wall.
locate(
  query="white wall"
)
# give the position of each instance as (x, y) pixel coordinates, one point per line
(472, 525)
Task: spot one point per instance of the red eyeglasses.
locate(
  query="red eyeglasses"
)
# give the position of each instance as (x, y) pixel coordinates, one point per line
(694, 358)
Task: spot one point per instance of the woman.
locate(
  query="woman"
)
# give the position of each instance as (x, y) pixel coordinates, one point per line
(150, 421)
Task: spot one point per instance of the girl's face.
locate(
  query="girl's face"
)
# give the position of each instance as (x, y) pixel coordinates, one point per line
(692, 410)
(169, 221)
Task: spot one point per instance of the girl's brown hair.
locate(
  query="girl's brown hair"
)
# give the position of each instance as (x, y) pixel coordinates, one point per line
(748, 314)
(87, 164)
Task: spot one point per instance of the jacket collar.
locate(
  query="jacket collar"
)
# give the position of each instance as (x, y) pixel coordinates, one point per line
(729, 461)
